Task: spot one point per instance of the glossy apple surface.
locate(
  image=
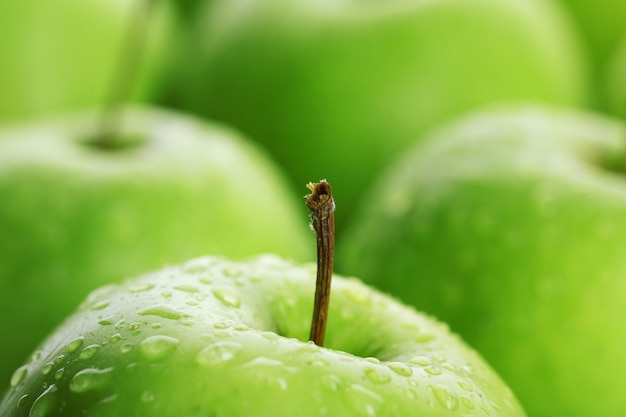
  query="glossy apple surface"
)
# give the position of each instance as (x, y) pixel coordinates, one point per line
(360, 80)
(74, 216)
(220, 338)
(509, 225)
(64, 55)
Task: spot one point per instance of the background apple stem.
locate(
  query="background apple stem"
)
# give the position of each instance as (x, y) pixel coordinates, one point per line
(124, 74)
(322, 207)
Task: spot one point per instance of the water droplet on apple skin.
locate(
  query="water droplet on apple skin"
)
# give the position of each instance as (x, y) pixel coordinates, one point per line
(227, 296)
(89, 352)
(378, 375)
(46, 403)
(165, 311)
(363, 401)
(91, 379)
(218, 353)
(19, 375)
(158, 348)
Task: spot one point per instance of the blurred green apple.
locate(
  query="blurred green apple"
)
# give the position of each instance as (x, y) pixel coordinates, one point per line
(517, 218)
(74, 215)
(64, 54)
(219, 338)
(602, 24)
(362, 79)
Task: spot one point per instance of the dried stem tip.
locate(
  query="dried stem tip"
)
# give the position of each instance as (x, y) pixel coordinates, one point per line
(322, 207)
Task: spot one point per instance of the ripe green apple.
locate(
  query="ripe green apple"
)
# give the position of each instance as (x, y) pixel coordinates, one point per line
(616, 81)
(517, 218)
(361, 80)
(74, 216)
(220, 338)
(64, 54)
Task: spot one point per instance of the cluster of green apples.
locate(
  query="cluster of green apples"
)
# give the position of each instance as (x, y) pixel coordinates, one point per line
(476, 151)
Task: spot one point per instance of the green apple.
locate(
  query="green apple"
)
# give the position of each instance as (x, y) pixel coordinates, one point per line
(616, 81)
(517, 218)
(361, 79)
(220, 338)
(74, 215)
(602, 24)
(64, 54)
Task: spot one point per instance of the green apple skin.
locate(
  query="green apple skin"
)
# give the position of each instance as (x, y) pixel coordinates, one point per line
(220, 338)
(63, 55)
(361, 80)
(74, 217)
(616, 81)
(515, 218)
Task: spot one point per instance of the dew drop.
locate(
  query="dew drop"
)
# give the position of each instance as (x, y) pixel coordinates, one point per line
(89, 352)
(433, 370)
(221, 325)
(60, 359)
(19, 375)
(446, 397)
(187, 288)
(47, 368)
(157, 348)
(126, 347)
(100, 305)
(363, 401)
(140, 287)
(45, 403)
(232, 271)
(197, 265)
(115, 338)
(74, 345)
(378, 375)
(423, 337)
(331, 381)
(59, 374)
(421, 361)
(37, 355)
(468, 402)
(107, 321)
(217, 353)
(165, 311)
(227, 296)
(466, 386)
(400, 368)
(91, 379)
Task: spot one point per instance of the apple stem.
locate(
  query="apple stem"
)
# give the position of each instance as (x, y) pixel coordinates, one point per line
(124, 75)
(322, 207)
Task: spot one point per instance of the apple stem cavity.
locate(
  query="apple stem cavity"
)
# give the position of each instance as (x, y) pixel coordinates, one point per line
(322, 207)
(124, 75)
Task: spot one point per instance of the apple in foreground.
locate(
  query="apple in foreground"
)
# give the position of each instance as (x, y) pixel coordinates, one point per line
(64, 54)
(75, 215)
(215, 337)
(517, 216)
(362, 79)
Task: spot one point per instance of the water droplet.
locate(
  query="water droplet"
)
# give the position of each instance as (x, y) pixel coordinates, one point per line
(89, 352)
(231, 271)
(421, 361)
(74, 345)
(468, 402)
(115, 338)
(400, 368)
(466, 386)
(157, 348)
(165, 311)
(227, 296)
(410, 393)
(47, 368)
(107, 321)
(433, 370)
(446, 397)
(156, 325)
(147, 397)
(59, 374)
(363, 401)
(126, 347)
(21, 403)
(19, 375)
(91, 379)
(378, 375)
(140, 287)
(372, 360)
(197, 265)
(217, 353)
(45, 403)
(100, 305)
(221, 325)
(423, 337)
(166, 294)
(449, 367)
(331, 381)
(187, 288)
(60, 359)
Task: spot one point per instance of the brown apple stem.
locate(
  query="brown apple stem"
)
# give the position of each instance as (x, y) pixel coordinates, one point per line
(322, 207)
(124, 74)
